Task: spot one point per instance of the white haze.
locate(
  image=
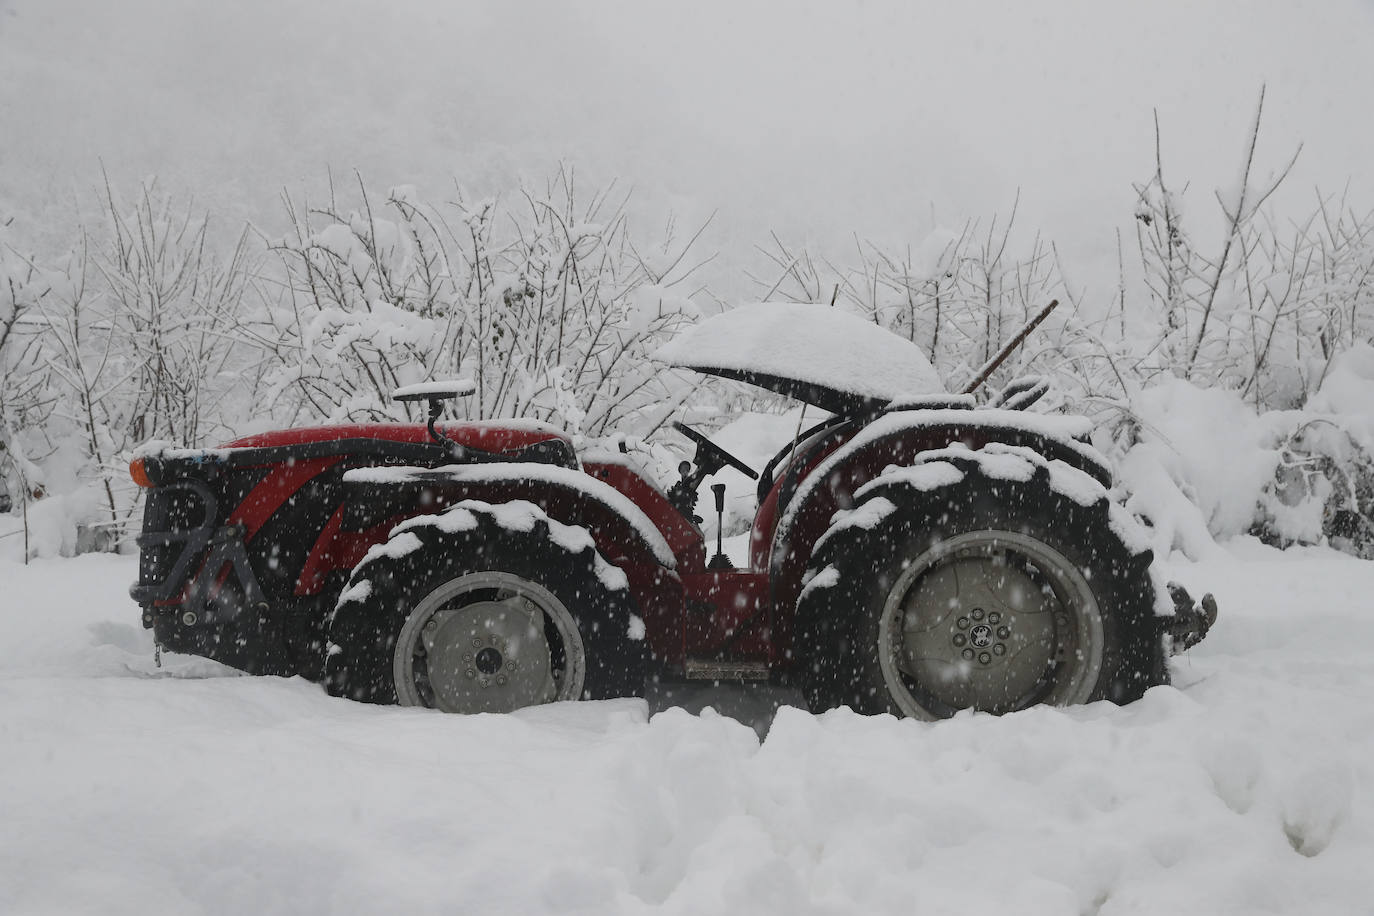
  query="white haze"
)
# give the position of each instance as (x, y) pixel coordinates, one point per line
(817, 120)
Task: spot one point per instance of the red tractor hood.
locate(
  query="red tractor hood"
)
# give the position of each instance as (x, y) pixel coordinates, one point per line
(493, 436)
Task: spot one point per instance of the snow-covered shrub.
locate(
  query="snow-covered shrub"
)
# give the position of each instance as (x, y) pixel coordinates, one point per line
(550, 304)
(1200, 369)
(545, 301)
(1323, 489)
(50, 440)
(1200, 462)
(171, 309)
(134, 334)
(26, 394)
(1205, 465)
(145, 331)
(959, 296)
(1265, 311)
(1324, 484)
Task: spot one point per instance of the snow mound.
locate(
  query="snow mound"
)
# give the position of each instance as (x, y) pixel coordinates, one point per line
(1348, 385)
(1243, 789)
(1215, 449)
(1207, 467)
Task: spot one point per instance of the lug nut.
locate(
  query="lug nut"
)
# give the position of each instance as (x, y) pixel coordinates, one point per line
(999, 649)
(984, 658)
(1004, 632)
(501, 679)
(471, 674)
(967, 654)
(476, 643)
(977, 613)
(189, 618)
(960, 639)
(994, 618)
(963, 623)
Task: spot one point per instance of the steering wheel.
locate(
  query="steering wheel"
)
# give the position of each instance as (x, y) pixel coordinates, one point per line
(706, 449)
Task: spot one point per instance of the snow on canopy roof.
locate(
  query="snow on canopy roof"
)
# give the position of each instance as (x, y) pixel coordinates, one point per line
(819, 354)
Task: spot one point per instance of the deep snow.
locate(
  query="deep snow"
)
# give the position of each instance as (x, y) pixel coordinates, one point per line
(1243, 789)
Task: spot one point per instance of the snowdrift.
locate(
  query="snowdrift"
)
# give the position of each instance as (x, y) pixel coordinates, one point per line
(131, 789)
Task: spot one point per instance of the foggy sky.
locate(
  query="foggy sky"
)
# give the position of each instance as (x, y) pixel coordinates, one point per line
(816, 120)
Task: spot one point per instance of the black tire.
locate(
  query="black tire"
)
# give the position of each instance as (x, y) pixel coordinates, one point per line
(470, 565)
(906, 576)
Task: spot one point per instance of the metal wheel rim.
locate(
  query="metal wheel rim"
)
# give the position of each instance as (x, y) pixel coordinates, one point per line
(922, 613)
(455, 649)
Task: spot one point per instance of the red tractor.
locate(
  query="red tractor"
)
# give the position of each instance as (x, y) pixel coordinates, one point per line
(910, 553)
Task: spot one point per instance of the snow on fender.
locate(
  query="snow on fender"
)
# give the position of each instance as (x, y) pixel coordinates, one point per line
(497, 474)
(1061, 432)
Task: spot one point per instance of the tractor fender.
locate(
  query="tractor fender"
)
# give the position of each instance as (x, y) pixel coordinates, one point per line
(382, 500)
(898, 437)
(622, 531)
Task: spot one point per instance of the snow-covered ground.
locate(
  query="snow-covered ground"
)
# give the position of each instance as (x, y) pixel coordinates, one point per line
(1245, 788)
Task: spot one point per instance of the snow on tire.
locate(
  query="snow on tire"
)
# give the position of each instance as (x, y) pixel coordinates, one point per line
(485, 608)
(992, 579)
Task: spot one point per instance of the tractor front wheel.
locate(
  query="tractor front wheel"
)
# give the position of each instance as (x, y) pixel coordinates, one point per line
(464, 613)
(488, 642)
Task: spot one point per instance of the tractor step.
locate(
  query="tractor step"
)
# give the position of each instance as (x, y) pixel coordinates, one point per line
(710, 669)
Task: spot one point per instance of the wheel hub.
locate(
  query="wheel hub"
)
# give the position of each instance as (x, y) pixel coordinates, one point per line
(490, 656)
(488, 641)
(980, 624)
(982, 643)
(489, 661)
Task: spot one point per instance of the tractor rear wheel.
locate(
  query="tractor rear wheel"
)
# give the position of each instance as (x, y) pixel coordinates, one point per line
(461, 613)
(949, 588)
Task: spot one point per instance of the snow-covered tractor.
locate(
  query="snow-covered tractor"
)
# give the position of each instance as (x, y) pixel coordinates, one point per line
(911, 553)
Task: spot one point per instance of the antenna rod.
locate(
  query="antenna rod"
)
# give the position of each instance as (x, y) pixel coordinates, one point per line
(991, 365)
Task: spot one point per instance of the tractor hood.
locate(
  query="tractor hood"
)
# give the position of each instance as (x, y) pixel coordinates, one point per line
(819, 354)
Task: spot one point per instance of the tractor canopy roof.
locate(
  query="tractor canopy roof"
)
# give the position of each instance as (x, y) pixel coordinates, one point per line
(834, 359)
